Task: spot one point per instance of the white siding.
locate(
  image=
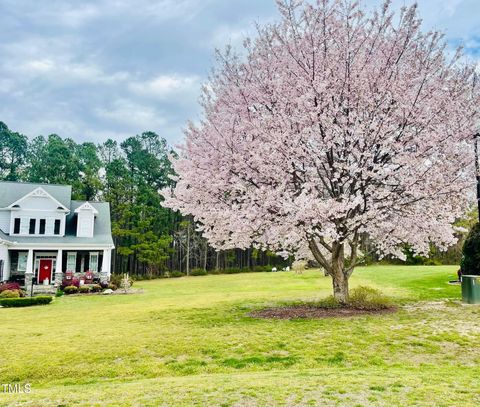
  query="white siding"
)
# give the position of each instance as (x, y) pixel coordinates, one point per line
(5, 221)
(6, 261)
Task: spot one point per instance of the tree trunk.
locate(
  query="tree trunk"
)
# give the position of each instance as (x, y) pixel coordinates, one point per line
(335, 267)
(188, 251)
(339, 274)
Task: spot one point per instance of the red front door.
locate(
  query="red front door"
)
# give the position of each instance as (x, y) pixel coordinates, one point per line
(45, 270)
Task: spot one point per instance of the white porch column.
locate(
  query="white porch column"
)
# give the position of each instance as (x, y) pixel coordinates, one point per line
(29, 272)
(106, 265)
(29, 262)
(58, 268)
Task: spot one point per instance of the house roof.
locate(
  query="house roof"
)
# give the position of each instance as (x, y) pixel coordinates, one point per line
(13, 191)
(102, 235)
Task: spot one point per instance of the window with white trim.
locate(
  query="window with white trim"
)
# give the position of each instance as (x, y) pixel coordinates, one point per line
(22, 262)
(93, 263)
(71, 261)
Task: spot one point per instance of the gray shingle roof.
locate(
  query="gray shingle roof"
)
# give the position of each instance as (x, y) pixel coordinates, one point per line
(13, 191)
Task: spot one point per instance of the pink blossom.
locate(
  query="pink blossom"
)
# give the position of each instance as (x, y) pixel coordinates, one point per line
(333, 124)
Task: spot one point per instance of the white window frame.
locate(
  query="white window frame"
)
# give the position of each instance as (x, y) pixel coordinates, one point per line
(93, 255)
(24, 256)
(69, 262)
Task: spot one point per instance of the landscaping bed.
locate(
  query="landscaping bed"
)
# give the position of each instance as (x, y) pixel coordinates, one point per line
(312, 312)
(362, 301)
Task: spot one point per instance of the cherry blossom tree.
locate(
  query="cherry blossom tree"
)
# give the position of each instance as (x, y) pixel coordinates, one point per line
(333, 123)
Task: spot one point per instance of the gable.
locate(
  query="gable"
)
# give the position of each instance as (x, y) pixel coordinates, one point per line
(86, 207)
(11, 192)
(38, 199)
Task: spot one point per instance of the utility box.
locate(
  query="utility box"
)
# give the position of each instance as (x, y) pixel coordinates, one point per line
(471, 289)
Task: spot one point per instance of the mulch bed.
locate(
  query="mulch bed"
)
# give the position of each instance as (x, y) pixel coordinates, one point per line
(312, 312)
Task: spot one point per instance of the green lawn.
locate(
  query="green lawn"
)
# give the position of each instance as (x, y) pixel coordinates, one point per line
(189, 341)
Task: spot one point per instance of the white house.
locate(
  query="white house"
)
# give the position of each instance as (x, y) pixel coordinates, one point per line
(44, 234)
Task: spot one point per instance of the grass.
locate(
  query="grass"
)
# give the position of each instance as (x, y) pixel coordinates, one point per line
(189, 341)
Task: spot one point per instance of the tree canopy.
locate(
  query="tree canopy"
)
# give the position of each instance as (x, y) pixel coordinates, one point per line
(335, 123)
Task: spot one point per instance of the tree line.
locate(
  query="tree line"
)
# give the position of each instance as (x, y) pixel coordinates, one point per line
(150, 240)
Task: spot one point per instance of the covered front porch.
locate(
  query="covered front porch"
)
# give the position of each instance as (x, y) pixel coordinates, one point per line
(47, 268)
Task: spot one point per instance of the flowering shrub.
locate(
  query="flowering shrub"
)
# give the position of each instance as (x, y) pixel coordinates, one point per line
(84, 289)
(73, 282)
(9, 286)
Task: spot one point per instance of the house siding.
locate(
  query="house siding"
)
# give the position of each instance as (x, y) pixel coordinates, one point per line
(5, 221)
(6, 262)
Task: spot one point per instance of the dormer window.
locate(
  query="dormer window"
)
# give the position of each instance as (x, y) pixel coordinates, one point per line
(85, 220)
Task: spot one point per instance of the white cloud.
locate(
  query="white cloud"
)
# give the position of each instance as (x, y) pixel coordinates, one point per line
(164, 86)
(132, 114)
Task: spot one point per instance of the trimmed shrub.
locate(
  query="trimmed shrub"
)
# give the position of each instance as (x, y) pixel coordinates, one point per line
(73, 282)
(470, 263)
(25, 302)
(9, 287)
(84, 289)
(70, 289)
(96, 288)
(198, 272)
(10, 294)
(59, 293)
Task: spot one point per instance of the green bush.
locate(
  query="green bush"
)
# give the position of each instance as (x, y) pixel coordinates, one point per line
(25, 302)
(176, 274)
(262, 268)
(10, 294)
(234, 271)
(59, 293)
(470, 263)
(362, 298)
(368, 298)
(95, 288)
(198, 272)
(84, 289)
(70, 289)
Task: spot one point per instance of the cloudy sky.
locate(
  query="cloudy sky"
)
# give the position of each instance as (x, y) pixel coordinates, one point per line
(93, 70)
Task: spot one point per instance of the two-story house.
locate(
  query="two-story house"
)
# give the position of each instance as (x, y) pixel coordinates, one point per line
(44, 234)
